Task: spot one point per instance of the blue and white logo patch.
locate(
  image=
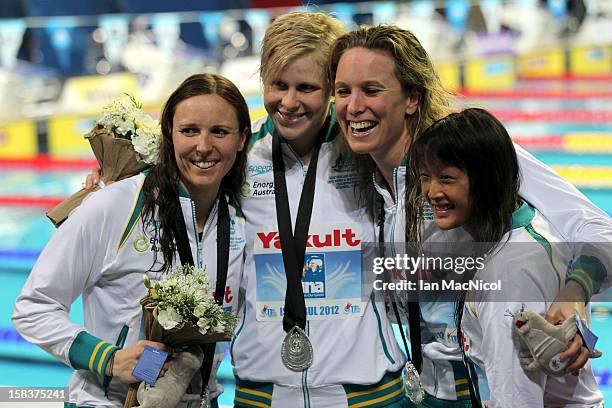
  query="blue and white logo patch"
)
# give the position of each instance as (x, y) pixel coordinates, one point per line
(313, 276)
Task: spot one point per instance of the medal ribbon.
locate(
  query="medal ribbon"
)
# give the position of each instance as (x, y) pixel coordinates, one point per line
(414, 313)
(293, 244)
(223, 242)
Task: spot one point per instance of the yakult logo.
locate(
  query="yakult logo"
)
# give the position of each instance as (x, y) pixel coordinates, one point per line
(337, 238)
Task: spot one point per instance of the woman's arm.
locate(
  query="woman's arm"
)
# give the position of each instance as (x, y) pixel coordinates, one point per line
(70, 262)
(69, 266)
(580, 222)
(588, 230)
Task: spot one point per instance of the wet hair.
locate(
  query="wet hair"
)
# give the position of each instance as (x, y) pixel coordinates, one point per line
(160, 187)
(477, 143)
(294, 35)
(413, 69)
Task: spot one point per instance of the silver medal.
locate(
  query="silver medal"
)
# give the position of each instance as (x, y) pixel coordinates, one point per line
(205, 399)
(296, 350)
(412, 383)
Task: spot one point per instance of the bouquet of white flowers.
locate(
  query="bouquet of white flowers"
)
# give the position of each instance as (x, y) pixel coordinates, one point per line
(125, 140)
(181, 311)
(130, 122)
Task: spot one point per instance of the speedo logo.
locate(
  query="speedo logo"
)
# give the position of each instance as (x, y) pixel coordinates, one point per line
(258, 170)
(335, 238)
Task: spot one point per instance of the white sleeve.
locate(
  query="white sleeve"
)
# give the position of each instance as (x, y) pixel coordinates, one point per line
(70, 263)
(576, 218)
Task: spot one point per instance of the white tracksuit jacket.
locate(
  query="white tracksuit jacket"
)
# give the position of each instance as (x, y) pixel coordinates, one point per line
(575, 218)
(101, 252)
(530, 280)
(353, 341)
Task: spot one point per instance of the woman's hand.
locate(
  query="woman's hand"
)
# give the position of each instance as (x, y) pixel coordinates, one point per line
(126, 359)
(569, 301)
(93, 179)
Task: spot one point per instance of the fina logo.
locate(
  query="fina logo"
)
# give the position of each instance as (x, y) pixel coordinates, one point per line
(313, 276)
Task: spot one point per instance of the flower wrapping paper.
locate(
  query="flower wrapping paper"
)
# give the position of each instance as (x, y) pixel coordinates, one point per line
(117, 159)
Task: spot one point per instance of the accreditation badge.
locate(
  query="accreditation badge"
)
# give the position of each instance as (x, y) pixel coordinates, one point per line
(331, 274)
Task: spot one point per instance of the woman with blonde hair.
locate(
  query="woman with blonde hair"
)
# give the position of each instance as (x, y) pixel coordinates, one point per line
(305, 335)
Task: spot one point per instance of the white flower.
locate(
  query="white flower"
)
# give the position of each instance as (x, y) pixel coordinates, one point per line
(169, 318)
(199, 310)
(184, 295)
(130, 122)
(203, 325)
(201, 296)
(146, 146)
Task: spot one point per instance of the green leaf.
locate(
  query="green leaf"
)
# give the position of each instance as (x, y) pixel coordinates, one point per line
(136, 104)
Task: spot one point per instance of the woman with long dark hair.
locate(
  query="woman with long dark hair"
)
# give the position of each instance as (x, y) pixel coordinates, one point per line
(130, 228)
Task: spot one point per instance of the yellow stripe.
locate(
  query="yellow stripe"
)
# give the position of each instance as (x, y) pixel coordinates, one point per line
(581, 279)
(586, 176)
(373, 390)
(104, 353)
(254, 403)
(461, 381)
(470, 305)
(560, 279)
(93, 354)
(588, 142)
(472, 309)
(586, 275)
(255, 392)
(121, 244)
(463, 393)
(377, 400)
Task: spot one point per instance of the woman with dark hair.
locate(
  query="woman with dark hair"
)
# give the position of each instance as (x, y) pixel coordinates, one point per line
(130, 228)
(386, 93)
(469, 176)
(224, 167)
(476, 145)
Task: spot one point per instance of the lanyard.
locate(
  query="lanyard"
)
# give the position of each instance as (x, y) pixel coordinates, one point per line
(223, 241)
(414, 313)
(472, 377)
(293, 244)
